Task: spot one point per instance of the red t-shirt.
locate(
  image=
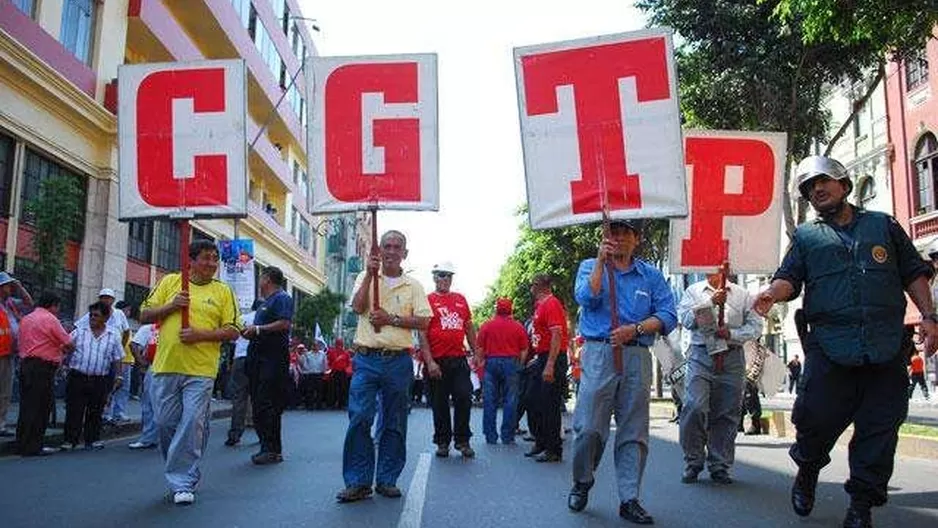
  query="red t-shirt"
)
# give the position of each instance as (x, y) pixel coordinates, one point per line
(502, 336)
(338, 360)
(447, 330)
(549, 313)
(918, 365)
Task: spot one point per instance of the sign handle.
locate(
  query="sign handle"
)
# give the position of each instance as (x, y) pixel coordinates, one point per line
(375, 301)
(613, 300)
(184, 267)
(721, 315)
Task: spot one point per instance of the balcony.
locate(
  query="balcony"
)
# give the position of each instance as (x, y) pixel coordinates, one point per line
(924, 225)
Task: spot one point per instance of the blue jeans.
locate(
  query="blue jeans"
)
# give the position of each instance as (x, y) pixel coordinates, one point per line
(117, 408)
(500, 386)
(148, 434)
(389, 376)
(182, 418)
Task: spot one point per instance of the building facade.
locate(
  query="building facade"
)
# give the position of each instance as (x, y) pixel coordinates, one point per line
(59, 61)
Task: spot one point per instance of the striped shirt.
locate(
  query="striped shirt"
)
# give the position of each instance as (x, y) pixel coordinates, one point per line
(94, 355)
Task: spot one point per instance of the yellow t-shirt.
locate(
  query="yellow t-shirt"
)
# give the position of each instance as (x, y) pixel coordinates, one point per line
(211, 306)
(401, 296)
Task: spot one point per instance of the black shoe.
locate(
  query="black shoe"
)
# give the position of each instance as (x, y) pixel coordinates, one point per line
(442, 451)
(354, 494)
(690, 475)
(528, 438)
(721, 477)
(858, 516)
(264, 458)
(534, 452)
(579, 497)
(802, 492)
(633, 512)
(549, 457)
(388, 490)
(232, 441)
(465, 450)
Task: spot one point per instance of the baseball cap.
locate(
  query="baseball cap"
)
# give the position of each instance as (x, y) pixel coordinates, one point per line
(635, 224)
(107, 292)
(444, 267)
(6, 278)
(503, 306)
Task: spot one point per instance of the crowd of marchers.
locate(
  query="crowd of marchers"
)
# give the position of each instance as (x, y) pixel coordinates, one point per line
(855, 267)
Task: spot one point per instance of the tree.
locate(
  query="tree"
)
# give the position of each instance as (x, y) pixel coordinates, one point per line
(54, 212)
(767, 65)
(322, 309)
(558, 252)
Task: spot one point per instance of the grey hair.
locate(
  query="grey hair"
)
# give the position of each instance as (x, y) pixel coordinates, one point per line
(394, 234)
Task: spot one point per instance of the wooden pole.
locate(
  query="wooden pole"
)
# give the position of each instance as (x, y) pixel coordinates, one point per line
(721, 314)
(184, 267)
(375, 250)
(613, 300)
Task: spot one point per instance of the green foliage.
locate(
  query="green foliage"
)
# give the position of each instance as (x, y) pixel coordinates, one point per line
(53, 213)
(882, 26)
(322, 308)
(558, 252)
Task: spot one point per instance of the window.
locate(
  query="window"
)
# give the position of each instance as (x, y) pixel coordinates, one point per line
(7, 153)
(264, 44)
(301, 182)
(305, 231)
(201, 235)
(26, 6)
(78, 27)
(295, 223)
(65, 286)
(168, 245)
(39, 168)
(926, 172)
(284, 15)
(243, 8)
(135, 294)
(867, 191)
(140, 240)
(298, 297)
(916, 71)
(296, 41)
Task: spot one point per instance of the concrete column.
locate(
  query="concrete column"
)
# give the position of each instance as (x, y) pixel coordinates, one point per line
(103, 261)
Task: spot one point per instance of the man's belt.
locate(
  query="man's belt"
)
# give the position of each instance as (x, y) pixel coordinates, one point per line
(386, 352)
(608, 341)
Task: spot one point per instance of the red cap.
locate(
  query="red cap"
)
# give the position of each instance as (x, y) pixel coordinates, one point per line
(503, 306)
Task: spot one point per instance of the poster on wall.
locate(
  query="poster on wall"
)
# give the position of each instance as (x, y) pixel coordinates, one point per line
(237, 269)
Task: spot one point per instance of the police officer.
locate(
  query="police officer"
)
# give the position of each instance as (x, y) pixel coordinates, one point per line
(855, 266)
(645, 308)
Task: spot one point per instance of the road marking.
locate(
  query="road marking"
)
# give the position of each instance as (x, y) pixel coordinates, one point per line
(416, 494)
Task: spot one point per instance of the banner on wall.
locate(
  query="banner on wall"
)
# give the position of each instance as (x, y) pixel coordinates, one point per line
(236, 268)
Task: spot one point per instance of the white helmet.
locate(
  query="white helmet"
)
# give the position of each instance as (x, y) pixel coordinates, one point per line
(444, 267)
(814, 166)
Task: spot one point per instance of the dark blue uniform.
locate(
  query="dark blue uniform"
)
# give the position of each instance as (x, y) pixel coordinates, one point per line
(854, 278)
(268, 370)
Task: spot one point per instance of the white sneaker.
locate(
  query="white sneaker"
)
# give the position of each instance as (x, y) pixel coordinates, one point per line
(98, 444)
(67, 446)
(183, 498)
(140, 445)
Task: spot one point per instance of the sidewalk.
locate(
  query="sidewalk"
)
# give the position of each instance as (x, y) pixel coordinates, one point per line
(55, 434)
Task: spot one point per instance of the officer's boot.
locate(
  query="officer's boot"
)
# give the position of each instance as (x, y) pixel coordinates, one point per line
(755, 428)
(858, 515)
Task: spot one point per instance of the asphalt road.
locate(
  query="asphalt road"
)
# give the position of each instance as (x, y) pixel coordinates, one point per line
(118, 487)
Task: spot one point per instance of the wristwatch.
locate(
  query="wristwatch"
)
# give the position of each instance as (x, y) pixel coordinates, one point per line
(933, 317)
(639, 329)
(396, 320)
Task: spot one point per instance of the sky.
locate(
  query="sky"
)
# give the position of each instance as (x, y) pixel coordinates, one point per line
(481, 166)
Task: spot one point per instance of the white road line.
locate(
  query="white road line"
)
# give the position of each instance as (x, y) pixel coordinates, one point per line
(416, 494)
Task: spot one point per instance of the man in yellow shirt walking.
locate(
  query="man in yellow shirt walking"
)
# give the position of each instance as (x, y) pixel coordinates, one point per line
(187, 361)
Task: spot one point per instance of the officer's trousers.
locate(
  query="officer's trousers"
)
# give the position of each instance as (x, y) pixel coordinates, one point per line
(604, 394)
(831, 396)
(712, 405)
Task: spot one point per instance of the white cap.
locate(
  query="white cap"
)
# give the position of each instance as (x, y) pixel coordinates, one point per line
(107, 292)
(444, 267)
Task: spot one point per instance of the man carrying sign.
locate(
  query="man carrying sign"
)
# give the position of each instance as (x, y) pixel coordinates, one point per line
(382, 366)
(856, 267)
(713, 396)
(645, 308)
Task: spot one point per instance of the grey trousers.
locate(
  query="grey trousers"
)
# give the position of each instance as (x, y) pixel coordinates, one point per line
(240, 407)
(604, 394)
(6, 387)
(182, 405)
(712, 405)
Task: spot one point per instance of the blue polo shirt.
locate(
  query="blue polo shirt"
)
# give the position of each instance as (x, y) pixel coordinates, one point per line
(641, 291)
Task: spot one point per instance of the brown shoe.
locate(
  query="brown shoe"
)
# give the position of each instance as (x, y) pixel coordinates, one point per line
(388, 490)
(465, 450)
(354, 494)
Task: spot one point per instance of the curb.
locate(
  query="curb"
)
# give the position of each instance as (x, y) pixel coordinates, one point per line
(108, 432)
